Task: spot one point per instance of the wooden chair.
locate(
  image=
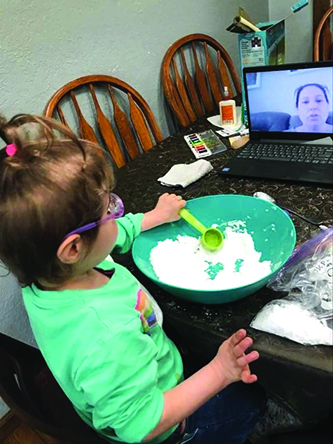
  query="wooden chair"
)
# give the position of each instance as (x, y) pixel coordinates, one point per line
(190, 90)
(124, 133)
(31, 392)
(323, 42)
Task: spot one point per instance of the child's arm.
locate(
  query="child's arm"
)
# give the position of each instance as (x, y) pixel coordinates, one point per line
(166, 210)
(130, 226)
(229, 365)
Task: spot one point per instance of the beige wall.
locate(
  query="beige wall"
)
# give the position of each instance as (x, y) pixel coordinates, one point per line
(299, 34)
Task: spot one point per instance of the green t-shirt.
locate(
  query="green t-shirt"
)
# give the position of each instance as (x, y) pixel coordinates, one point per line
(107, 350)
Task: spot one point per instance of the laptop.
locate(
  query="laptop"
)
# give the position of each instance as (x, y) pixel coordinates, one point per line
(290, 118)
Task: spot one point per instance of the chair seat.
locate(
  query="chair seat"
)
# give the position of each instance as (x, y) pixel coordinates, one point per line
(57, 409)
(29, 389)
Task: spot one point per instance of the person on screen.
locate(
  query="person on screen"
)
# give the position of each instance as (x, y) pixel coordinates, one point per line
(313, 106)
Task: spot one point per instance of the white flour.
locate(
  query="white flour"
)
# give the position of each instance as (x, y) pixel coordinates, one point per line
(185, 263)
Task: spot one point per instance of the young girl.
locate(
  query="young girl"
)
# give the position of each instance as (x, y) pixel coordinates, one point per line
(99, 330)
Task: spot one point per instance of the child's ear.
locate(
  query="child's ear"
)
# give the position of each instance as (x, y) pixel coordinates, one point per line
(70, 249)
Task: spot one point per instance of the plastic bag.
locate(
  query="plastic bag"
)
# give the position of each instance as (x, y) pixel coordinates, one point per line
(305, 315)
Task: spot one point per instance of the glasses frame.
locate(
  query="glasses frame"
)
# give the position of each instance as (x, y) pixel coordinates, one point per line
(115, 210)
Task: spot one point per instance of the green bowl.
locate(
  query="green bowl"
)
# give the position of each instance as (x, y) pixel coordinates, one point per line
(276, 242)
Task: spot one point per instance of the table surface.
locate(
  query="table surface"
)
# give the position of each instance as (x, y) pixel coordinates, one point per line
(299, 376)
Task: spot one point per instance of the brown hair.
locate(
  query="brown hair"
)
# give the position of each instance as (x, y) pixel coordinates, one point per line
(298, 91)
(49, 187)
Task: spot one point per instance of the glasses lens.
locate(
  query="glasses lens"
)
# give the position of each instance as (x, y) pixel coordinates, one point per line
(116, 205)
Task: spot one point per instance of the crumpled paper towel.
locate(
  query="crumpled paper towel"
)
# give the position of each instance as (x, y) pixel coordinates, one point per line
(185, 174)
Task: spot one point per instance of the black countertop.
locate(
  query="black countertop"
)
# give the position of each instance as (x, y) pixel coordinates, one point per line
(300, 377)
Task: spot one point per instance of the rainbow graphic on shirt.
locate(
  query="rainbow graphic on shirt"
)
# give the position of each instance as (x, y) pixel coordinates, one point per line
(145, 307)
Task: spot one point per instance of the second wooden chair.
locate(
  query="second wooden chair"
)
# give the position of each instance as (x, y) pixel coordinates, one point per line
(190, 90)
(130, 127)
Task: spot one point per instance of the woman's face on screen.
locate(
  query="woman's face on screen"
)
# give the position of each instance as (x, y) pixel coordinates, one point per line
(312, 106)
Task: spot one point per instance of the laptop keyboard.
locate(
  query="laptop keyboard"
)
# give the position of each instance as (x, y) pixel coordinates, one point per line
(288, 153)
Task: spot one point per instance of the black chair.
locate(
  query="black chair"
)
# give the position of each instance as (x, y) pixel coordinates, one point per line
(31, 392)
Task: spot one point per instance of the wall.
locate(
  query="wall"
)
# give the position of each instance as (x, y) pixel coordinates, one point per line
(44, 44)
(299, 46)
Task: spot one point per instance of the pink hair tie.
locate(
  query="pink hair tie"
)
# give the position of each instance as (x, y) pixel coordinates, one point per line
(11, 149)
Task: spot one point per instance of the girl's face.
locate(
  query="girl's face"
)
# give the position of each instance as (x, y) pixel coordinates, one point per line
(312, 106)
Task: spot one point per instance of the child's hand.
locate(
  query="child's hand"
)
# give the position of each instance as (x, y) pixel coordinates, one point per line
(168, 206)
(166, 210)
(231, 362)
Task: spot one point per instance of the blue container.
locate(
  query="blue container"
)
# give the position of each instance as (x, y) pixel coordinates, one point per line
(273, 231)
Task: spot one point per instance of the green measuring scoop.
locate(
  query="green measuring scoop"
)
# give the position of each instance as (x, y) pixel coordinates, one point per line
(211, 238)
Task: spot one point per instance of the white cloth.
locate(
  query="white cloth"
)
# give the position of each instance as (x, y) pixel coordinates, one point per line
(183, 174)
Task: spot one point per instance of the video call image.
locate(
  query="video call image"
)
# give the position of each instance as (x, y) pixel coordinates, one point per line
(292, 100)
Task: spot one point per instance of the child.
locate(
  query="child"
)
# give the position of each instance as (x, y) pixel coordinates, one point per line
(97, 327)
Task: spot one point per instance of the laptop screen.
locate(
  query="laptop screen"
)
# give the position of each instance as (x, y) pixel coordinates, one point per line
(290, 98)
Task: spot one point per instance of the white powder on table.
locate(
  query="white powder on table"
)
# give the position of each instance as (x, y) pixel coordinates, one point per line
(185, 263)
(291, 320)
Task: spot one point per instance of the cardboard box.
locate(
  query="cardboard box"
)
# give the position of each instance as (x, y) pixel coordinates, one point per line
(264, 47)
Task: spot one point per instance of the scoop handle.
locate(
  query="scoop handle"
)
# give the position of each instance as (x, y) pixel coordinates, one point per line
(186, 215)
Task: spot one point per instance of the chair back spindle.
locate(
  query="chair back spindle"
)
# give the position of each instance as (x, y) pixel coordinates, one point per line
(201, 82)
(189, 82)
(106, 131)
(123, 126)
(86, 130)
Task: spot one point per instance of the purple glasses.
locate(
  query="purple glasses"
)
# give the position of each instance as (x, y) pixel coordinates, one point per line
(115, 210)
